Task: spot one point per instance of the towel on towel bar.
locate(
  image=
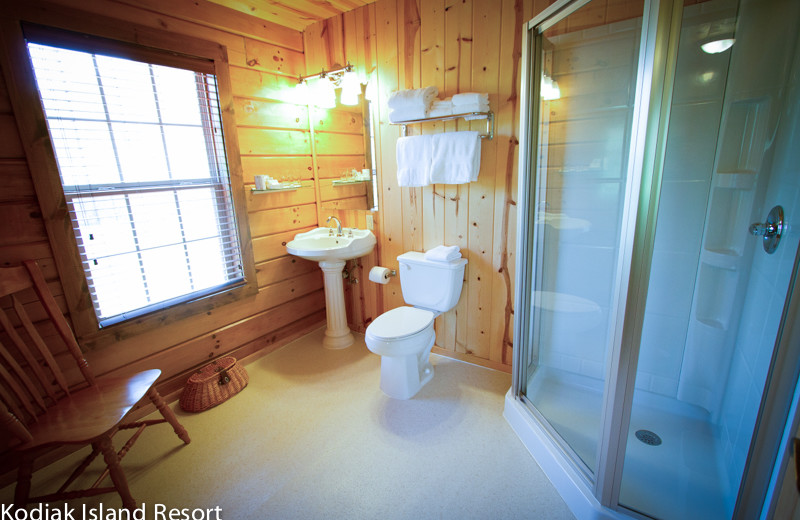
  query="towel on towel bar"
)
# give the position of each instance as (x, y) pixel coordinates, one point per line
(456, 157)
(470, 98)
(443, 254)
(414, 98)
(414, 156)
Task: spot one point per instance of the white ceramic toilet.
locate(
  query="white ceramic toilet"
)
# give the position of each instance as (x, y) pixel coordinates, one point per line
(403, 337)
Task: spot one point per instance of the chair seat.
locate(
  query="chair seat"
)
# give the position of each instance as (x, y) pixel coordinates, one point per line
(91, 412)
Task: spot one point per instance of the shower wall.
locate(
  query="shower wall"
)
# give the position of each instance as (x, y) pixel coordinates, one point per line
(770, 274)
(694, 125)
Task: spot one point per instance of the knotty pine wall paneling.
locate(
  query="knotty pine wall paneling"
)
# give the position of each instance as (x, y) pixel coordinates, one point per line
(340, 146)
(274, 136)
(458, 46)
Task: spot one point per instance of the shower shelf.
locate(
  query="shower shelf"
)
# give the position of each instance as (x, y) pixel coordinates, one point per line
(711, 323)
(722, 258)
(735, 180)
(488, 116)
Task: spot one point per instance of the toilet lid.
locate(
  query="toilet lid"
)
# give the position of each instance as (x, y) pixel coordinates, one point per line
(400, 322)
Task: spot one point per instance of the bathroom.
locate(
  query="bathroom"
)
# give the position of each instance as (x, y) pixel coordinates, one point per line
(459, 46)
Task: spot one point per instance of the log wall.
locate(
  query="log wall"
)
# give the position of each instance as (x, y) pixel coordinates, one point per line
(458, 46)
(275, 138)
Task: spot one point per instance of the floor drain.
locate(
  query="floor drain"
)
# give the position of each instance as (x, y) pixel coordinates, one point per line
(648, 437)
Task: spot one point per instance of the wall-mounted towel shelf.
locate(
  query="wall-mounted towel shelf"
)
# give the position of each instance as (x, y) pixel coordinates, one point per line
(489, 116)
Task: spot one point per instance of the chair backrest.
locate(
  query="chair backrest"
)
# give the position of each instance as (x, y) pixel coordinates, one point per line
(30, 378)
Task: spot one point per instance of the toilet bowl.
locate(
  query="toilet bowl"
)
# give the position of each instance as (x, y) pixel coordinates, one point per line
(404, 336)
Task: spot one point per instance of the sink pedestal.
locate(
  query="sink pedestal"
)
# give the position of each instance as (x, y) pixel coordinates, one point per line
(332, 251)
(337, 335)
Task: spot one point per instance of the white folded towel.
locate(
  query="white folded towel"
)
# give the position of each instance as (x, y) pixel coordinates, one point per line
(456, 157)
(470, 98)
(440, 108)
(443, 254)
(398, 115)
(472, 107)
(420, 97)
(414, 160)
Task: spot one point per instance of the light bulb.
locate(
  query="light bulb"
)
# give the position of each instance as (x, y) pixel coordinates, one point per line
(717, 46)
(301, 93)
(324, 94)
(550, 90)
(351, 88)
(371, 92)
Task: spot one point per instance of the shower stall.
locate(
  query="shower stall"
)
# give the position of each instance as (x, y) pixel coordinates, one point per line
(655, 359)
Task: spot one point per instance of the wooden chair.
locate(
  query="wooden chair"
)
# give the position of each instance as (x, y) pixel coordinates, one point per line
(40, 410)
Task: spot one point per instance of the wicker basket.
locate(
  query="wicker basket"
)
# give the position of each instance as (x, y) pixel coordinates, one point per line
(213, 384)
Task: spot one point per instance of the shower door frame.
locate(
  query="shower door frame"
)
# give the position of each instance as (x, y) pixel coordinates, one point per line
(658, 52)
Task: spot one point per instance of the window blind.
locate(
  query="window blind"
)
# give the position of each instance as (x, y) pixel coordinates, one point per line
(141, 156)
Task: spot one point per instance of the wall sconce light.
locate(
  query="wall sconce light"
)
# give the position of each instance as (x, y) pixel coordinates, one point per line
(301, 93)
(351, 88)
(550, 90)
(320, 88)
(371, 90)
(323, 93)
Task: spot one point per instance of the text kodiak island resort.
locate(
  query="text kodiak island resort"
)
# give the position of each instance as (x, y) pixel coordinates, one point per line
(100, 512)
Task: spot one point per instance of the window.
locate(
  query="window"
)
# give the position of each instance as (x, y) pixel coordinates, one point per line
(140, 152)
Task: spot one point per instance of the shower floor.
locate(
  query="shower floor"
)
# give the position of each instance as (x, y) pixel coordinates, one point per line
(679, 479)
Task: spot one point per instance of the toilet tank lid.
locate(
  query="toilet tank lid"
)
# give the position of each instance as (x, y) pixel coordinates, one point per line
(415, 257)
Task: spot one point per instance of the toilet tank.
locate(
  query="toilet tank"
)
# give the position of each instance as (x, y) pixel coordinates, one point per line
(428, 284)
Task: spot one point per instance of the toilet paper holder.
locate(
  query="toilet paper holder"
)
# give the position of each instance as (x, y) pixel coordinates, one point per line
(381, 275)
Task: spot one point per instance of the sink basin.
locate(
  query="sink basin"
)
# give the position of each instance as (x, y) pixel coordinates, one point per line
(320, 245)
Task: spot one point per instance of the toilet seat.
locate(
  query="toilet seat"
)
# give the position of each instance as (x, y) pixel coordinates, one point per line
(400, 323)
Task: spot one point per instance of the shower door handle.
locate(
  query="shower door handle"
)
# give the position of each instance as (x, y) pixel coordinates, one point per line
(771, 230)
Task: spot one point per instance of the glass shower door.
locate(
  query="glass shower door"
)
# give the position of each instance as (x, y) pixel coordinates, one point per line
(586, 76)
(715, 295)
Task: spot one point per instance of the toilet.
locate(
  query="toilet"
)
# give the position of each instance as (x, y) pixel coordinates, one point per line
(403, 337)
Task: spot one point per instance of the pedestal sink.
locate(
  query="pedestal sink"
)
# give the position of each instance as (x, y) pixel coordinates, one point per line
(332, 250)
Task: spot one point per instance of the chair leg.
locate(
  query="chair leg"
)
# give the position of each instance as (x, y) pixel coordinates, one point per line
(169, 415)
(23, 489)
(115, 470)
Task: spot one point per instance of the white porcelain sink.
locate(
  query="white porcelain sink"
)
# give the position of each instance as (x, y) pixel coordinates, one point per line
(332, 250)
(323, 244)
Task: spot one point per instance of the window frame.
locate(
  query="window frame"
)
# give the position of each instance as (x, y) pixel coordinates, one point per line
(134, 42)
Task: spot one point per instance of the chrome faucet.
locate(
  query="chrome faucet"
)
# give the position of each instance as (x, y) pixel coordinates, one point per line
(338, 225)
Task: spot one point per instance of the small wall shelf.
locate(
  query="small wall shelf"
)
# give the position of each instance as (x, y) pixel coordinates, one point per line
(488, 116)
(341, 182)
(288, 187)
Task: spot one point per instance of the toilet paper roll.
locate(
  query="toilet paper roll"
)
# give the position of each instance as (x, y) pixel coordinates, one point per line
(379, 275)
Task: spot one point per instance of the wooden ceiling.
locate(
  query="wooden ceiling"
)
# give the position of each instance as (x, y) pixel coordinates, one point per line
(295, 14)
